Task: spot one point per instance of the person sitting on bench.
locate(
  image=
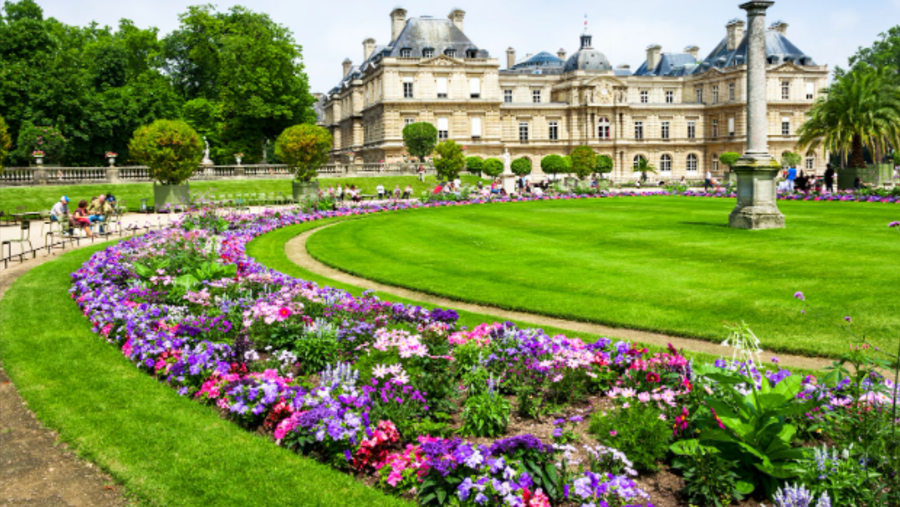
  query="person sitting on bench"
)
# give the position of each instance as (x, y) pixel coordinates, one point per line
(60, 213)
(99, 209)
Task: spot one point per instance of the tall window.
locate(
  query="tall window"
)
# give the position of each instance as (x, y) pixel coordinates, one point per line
(731, 126)
(443, 128)
(670, 97)
(810, 162)
(731, 92)
(553, 131)
(441, 85)
(715, 128)
(476, 126)
(645, 96)
(699, 92)
(810, 90)
(715, 163)
(785, 125)
(536, 96)
(785, 90)
(664, 130)
(427, 52)
(691, 163)
(408, 89)
(523, 131)
(451, 52)
(405, 52)
(638, 130)
(665, 163)
(603, 128)
(692, 129)
(715, 91)
(474, 87)
(507, 96)
(637, 161)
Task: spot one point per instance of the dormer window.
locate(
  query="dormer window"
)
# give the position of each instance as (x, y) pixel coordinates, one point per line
(471, 53)
(405, 52)
(427, 52)
(451, 52)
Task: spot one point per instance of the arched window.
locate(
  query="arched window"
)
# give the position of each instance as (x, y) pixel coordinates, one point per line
(603, 128)
(665, 163)
(691, 163)
(637, 161)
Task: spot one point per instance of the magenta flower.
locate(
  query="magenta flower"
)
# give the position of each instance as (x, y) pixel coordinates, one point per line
(848, 319)
(895, 223)
(799, 295)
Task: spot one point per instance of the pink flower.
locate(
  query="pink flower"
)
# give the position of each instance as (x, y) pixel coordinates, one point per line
(284, 312)
(613, 433)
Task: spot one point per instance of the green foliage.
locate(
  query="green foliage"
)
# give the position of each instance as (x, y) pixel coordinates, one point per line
(554, 164)
(708, 479)
(485, 415)
(492, 167)
(46, 139)
(521, 166)
(170, 148)
(840, 474)
(420, 139)
(604, 164)
(790, 159)
(729, 158)
(637, 431)
(643, 165)
(583, 161)
(474, 164)
(449, 160)
(5, 142)
(305, 148)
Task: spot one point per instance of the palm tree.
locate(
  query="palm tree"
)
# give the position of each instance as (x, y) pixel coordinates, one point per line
(861, 110)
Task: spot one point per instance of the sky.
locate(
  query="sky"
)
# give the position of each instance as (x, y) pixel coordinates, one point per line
(828, 30)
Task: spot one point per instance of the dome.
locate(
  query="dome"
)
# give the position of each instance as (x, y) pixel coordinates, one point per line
(587, 58)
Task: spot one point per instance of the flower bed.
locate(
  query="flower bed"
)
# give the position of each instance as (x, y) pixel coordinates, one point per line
(388, 391)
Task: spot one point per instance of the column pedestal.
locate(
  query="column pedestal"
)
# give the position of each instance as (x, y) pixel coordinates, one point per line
(756, 207)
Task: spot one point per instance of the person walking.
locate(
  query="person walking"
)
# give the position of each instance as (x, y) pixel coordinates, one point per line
(829, 178)
(380, 191)
(791, 177)
(707, 181)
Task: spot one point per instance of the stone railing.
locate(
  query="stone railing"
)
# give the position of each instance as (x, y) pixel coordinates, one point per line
(48, 175)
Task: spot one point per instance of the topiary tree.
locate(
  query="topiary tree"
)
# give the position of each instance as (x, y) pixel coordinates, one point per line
(450, 160)
(493, 167)
(304, 148)
(5, 142)
(45, 139)
(521, 166)
(474, 164)
(790, 159)
(603, 164)
(554, 164)
(729, 158)
(420, 139)
(583, 161)
(170, 148)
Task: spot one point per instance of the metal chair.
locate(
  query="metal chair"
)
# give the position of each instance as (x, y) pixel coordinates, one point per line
(24, 237)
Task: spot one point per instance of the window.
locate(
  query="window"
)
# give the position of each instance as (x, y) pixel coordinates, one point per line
(731, 126)
(507, 96)
(476, 126)
(785, 125)
(691, 163)
(715, 162)
(637, 161)
(451, 52)
(645, 96)
(731, 92)
(408, 120)
(715, 91)
(553, 131)
(692, 129)
(810, 162)
(443, 128)
(407, 88)
(810, 90)
(638, 130)
(715, 128)
(536, 96)
(699, 92)
(405, 52)
(441, 85)
(471, 53)
(603, 128)
(427, 52)
(665, 163)
(670, 97)
(523, 131)
(785, 90)
(474, 87)
(664, 130)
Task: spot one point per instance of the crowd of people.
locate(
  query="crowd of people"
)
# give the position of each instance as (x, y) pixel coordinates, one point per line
(85, 215)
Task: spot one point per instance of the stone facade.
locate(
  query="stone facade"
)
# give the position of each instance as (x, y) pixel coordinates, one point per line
(676, 110)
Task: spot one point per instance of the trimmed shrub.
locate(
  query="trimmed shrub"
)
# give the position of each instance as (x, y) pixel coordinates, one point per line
(420, 139)
(474, 164)
(729, 158)
(449, 161)
(521, 166)
(493, 167)
(554, 164)
(583, 161)
(170, 148)
(603, 164)
(305, 148)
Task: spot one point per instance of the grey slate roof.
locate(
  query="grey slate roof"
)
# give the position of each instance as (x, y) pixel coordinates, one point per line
(541, 63)
(587, 58)
(670, 64)
(778, 50)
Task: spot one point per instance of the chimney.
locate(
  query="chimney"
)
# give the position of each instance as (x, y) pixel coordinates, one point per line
(398, 21)
(510, 57)
(780, 27)
(457, 16)
(368, 47)
(694, 51)
(561, 54)
(347, 65)
(735, 31)
(653, 56)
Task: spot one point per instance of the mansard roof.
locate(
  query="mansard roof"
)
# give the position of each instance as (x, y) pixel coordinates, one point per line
(778, 50)
(436, 34)
(670, 64)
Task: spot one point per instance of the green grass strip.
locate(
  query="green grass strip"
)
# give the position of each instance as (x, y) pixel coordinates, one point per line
(165, 449)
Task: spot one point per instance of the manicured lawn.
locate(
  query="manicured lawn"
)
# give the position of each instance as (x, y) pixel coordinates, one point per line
(659, 263)
(165, 449)
(43, 197)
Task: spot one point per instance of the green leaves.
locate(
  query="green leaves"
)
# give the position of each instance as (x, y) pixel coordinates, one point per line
(171, 148)
(450, 160)
(521, 166)
(420, 139)
(305, 148)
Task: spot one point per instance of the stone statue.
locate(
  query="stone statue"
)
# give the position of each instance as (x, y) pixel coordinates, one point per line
(507, 167)
(206, 160)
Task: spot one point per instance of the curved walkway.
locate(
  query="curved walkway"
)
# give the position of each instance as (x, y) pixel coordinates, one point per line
(295, 250)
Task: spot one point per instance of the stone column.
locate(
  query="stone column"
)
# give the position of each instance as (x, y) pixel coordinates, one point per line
(756, 169)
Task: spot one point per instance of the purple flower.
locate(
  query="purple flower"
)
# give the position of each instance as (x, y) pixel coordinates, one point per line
(799, 295)
(848, 319)
(895, 223)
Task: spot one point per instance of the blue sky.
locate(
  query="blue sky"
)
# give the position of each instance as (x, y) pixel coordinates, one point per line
(329, 31)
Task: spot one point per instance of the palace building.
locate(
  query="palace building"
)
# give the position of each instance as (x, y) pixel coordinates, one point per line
(676, 110)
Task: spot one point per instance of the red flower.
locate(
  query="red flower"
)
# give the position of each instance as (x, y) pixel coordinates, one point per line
(652, 377)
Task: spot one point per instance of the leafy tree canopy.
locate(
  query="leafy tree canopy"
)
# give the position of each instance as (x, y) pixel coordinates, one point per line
(449, 161)
(170, 148)
(474, 164)
(420, 138)
(554, 164)
(305, 148)
(493, 167)
(521, 166)
(729, 158)
(583, 161)
(604, 164)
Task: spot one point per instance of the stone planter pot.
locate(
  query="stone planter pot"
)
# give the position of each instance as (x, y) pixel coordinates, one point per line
(305, 190)
(171, 195)
(39, 160)
(238, 160)
(112, 161)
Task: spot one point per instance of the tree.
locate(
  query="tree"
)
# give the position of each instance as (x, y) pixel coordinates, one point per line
(420, 139)
(450, 160)
(5, 142)
(643, 166)
(729, 158)
(554, 164)
(493, 167)
(46, 139)
(604, 164)
(474, 164)
(583, 161)
(861, 111)
(521, 166)
(790, 159)
(305, 148)
(170, 148)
